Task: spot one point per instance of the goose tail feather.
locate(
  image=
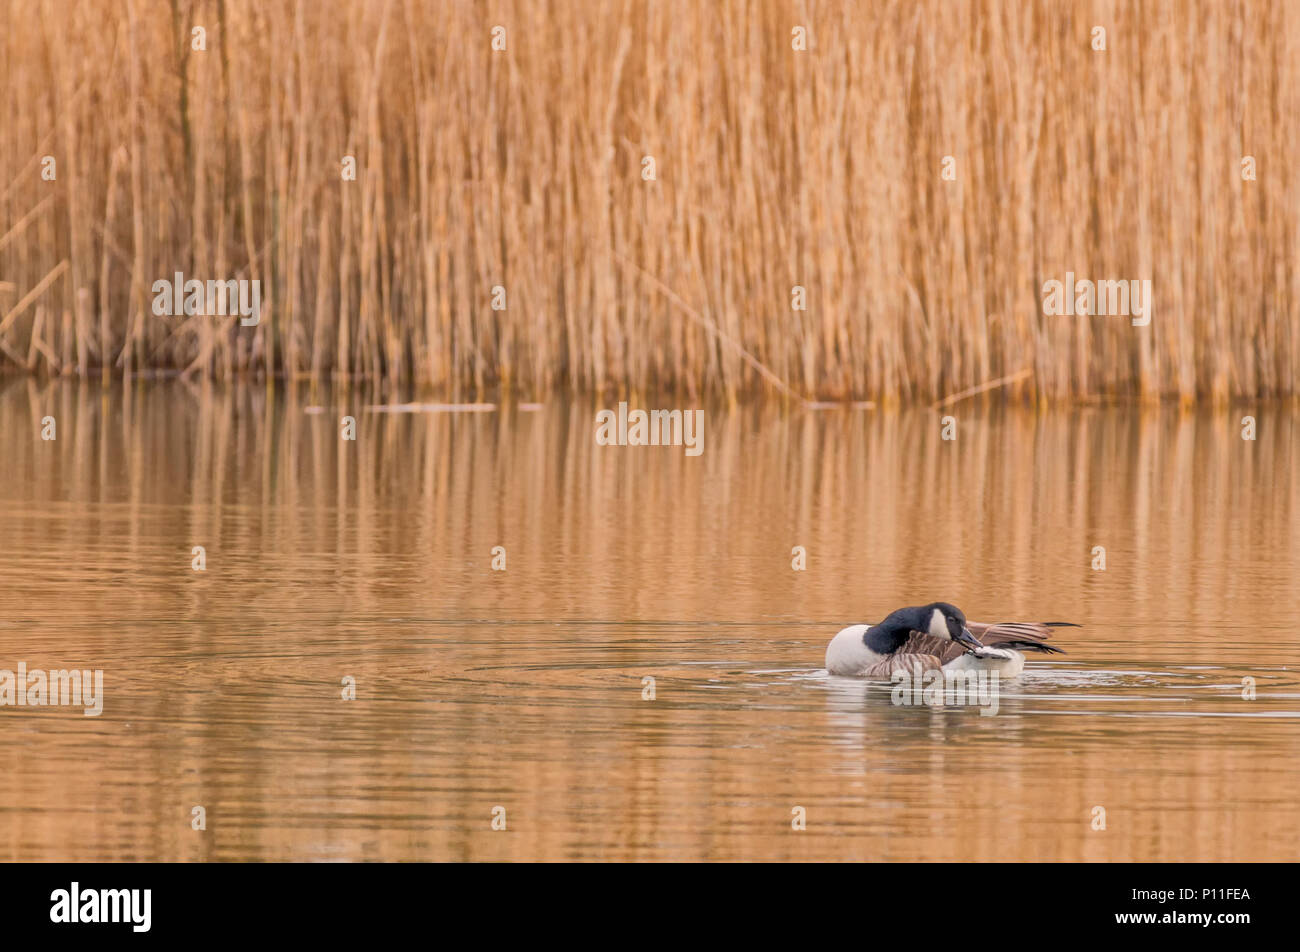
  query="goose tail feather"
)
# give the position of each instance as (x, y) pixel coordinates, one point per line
(1031, 646)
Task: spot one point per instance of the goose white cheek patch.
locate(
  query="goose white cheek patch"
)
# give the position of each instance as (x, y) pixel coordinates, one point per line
(938, 625)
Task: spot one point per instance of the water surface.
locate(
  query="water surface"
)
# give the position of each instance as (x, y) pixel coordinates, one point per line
(525, 689)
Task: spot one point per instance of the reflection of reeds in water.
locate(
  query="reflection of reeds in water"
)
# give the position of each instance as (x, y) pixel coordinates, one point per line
(372, 558)
(775, 168)
(1178, 499)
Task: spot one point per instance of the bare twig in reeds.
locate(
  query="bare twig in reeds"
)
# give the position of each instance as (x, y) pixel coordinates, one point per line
(722, 337)
(982, 388)
(55, 273)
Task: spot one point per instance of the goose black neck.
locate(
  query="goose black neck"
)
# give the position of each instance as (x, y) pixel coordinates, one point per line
(886, 638)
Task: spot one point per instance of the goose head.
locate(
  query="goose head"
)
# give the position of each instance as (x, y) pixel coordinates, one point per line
(947, 622)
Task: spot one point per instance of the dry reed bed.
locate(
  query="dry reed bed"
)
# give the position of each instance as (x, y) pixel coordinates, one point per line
(775, 168)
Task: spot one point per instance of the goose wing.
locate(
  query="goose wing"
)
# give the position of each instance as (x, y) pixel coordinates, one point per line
(922, 648)
(1020, 635)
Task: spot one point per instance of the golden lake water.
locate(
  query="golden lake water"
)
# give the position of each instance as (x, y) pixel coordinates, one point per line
(521, 695)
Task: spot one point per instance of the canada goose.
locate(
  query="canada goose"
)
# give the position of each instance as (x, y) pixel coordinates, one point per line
(936, 636)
